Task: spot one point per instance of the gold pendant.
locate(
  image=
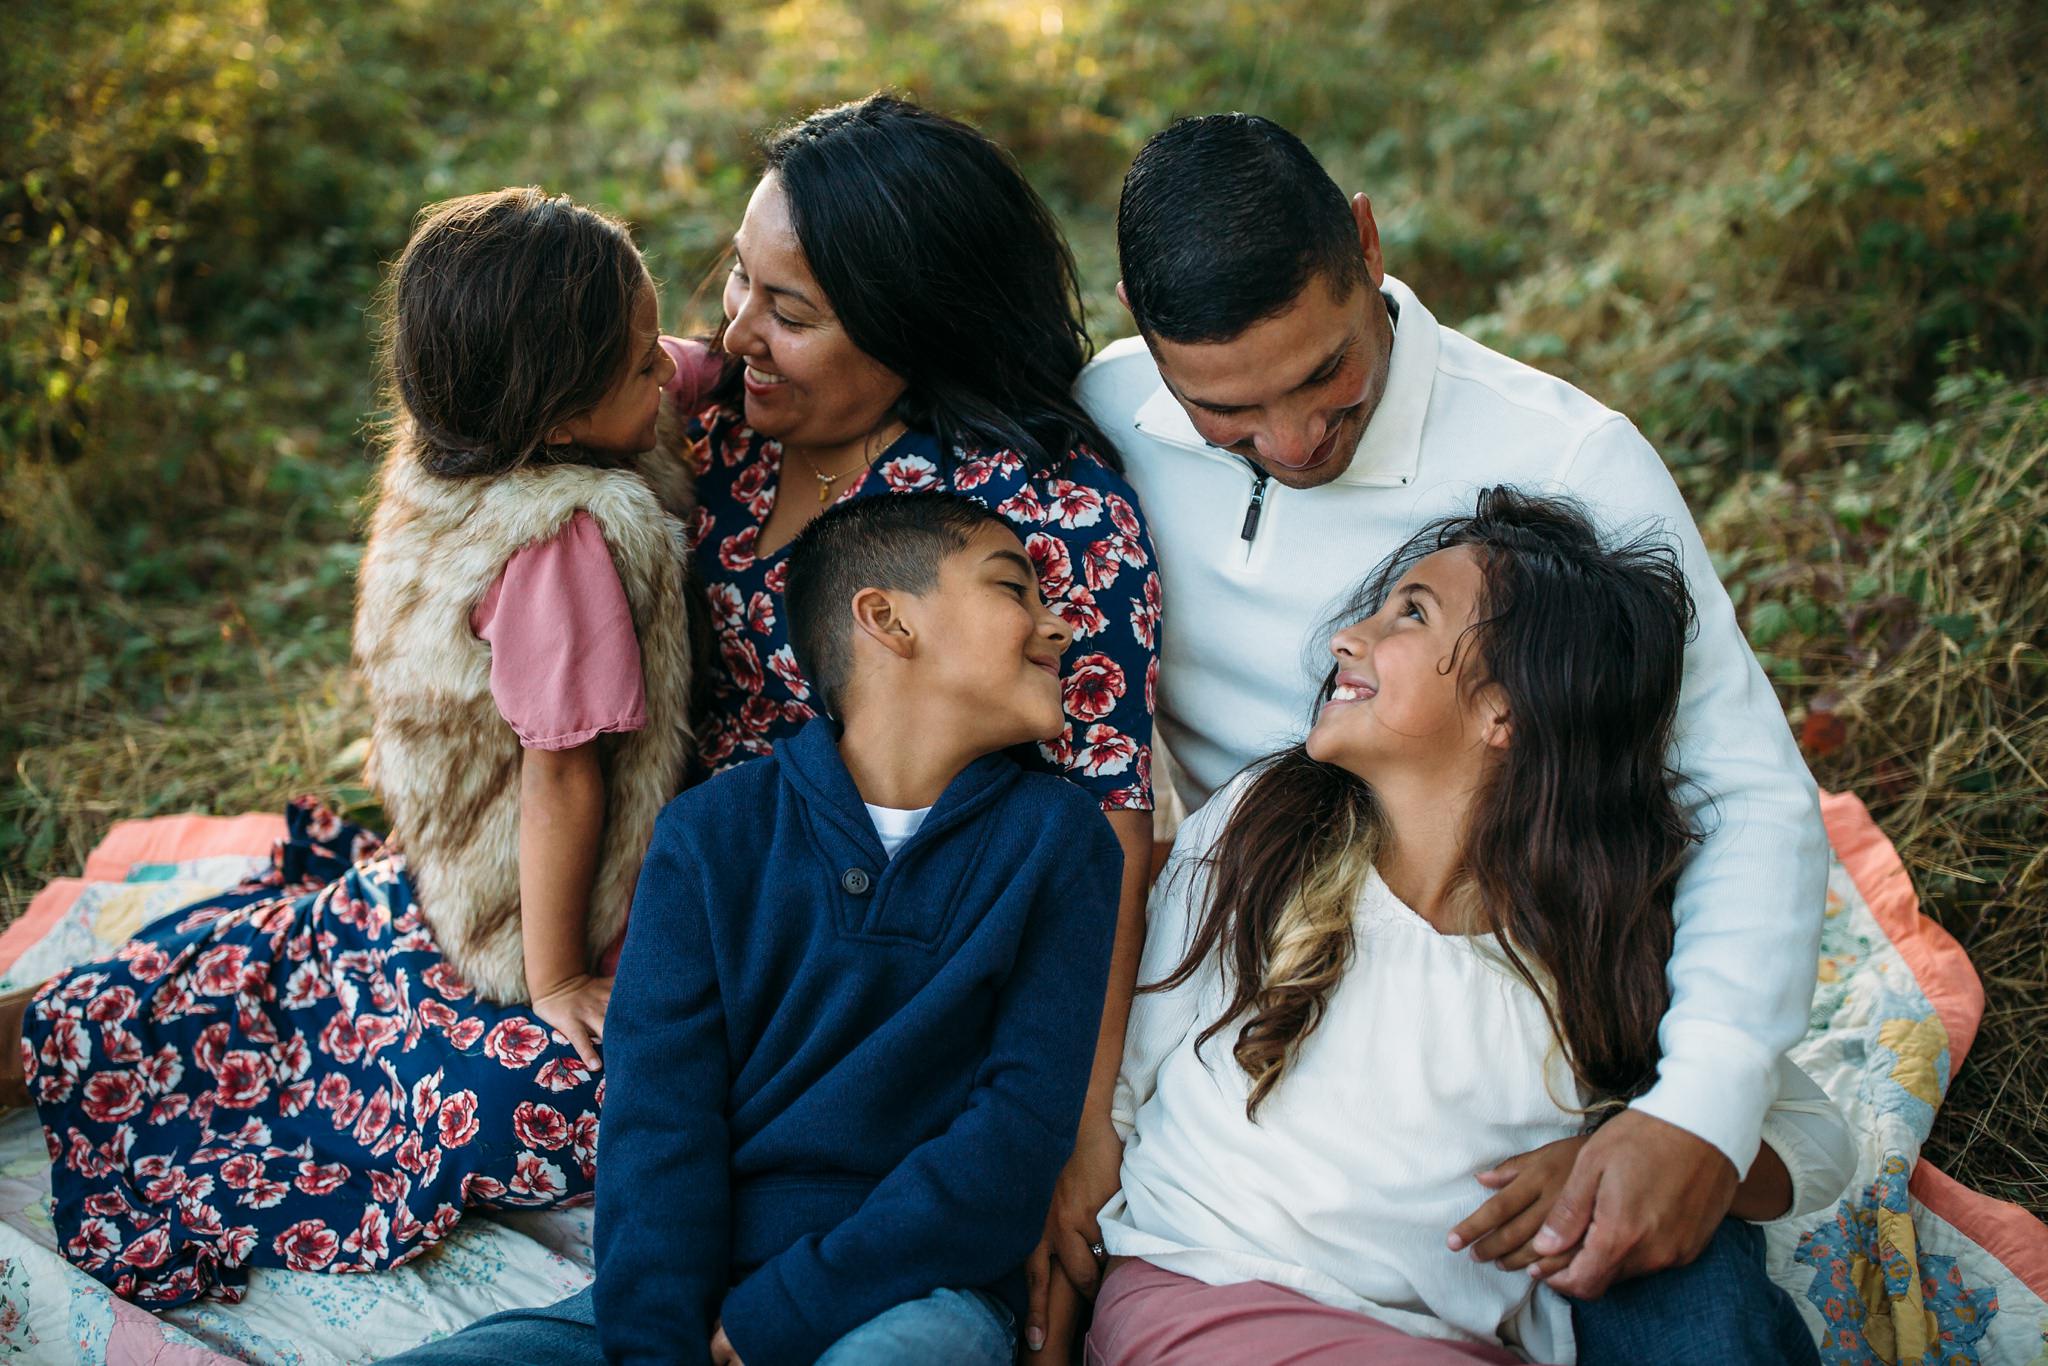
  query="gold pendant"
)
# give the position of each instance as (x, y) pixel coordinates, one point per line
(824, 494)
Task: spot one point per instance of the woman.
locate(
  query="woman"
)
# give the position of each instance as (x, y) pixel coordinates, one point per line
(901, 314)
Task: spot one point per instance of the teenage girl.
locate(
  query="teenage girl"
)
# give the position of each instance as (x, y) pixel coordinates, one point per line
(322, 1068)
(1400, 970)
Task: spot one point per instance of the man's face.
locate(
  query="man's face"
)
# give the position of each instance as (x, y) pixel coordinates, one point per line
(1293, 392)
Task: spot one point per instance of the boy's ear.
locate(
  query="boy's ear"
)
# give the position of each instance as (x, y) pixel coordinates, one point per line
(875, 616)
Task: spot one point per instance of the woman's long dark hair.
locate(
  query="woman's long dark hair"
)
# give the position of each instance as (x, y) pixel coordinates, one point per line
(943, 264)
(507, 314)
(1576, 837)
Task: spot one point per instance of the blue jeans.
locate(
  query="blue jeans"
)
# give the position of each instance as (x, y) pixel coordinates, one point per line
(945, 1328)
(1722, 1310)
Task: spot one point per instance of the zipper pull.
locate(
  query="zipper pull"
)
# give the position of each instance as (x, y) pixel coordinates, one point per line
(1258, 504)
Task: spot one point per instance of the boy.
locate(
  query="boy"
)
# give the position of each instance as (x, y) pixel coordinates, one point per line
(853, 1021)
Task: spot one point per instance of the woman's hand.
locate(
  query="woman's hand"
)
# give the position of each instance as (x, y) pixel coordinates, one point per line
(1526, 1186)
(576, 1008)
(1066, 1248)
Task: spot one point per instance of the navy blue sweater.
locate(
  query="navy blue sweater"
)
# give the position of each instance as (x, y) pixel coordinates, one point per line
(836, 1082)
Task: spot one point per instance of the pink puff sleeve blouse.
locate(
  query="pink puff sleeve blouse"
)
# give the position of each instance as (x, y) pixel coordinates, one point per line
(565, 662)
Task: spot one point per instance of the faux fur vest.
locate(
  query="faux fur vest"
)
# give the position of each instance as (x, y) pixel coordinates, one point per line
(442, 758)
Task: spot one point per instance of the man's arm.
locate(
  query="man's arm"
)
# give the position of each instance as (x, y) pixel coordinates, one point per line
(1655, 1182)
(663, 1205)
(962, 1208)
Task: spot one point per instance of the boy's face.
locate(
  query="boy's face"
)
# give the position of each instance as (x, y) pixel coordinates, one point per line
(989, 647)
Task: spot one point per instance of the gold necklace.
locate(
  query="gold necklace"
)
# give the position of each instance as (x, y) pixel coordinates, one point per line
(826, 481)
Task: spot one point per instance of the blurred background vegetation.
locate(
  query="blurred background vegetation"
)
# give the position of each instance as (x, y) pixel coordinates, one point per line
(1800, 241)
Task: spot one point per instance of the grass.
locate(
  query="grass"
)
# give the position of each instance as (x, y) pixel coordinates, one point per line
(1797, 240)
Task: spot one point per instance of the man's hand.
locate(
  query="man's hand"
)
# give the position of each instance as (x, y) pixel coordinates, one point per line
(1643, 1195)
(1086, 1183)
(1526, 1186)
(576, 1008)
(722, 1353)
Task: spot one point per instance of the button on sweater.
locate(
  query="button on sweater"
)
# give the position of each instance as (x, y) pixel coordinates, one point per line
(837, 1081)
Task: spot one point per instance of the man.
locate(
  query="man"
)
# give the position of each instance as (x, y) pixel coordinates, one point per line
(1289, 414)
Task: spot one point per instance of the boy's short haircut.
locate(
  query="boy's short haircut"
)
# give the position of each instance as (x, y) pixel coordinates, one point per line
(895, 542)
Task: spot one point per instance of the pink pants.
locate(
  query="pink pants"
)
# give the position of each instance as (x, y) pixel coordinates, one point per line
(1149, 1317)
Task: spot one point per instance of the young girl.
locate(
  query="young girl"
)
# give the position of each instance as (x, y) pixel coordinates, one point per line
(1410, 962)
(320, 1069)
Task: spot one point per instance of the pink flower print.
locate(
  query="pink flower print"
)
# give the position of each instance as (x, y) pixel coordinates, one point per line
(293, 1099)
(94, 1242)
(199, 1216)
(445, 980)
(1152, 684)
(426, 1096)
(108, 1204)
(736, 552)
(304, 987)
(346, 1112)
(1101, 562)
(728, 608)
(294, 1058)
(583, 1143)
(758, 716)
(458, 1119)
(82, 987)
(537, 1179)
(1108, 752)
(1122, 515)
(318, 1178)
(334, 1090)
(750, 487)
(389, 1187)
(371, 1241)
(1078, 610)
(1059, 751)
(742, 663)
(464, 1033)
(112, 1006)
(796, 713)
(308, 1245)
(698, 526)
(242, 1170)
(237, 1243)
(150, 1250)
(978, 469)
(1093, 687)
(338, 1040)
(477, 1187)
(784, 666)
(113, 1096)
(169, 1108)
(376, 1117)
(539, 1126)
(146, 962)
(761, 614)
(375, 1032)
(516, 1042)
(563, 1074)
(1075, 505)
(1054, 565)
(908, 473)
(219, 970)
(776, 580)
(119, 1045)
(1145, 614)
(263, 1193)
(65, 1048)
(1023, 507)
(434, 1014)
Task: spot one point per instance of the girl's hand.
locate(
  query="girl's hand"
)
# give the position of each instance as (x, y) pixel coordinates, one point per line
(1066, 1248)
(697, 370)
(722, 1353)
(576, 1008)
(1502, 1229)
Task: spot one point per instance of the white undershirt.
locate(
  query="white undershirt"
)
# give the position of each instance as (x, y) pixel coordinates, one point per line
(895, 825)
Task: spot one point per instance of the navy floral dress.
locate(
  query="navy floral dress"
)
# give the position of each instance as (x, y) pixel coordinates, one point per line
(290, 1074)
(1080, 524)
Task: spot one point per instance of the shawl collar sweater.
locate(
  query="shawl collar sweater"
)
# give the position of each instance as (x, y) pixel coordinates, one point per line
(838, 1081)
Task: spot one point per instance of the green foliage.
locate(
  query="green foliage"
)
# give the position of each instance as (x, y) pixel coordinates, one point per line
(1798, 241)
